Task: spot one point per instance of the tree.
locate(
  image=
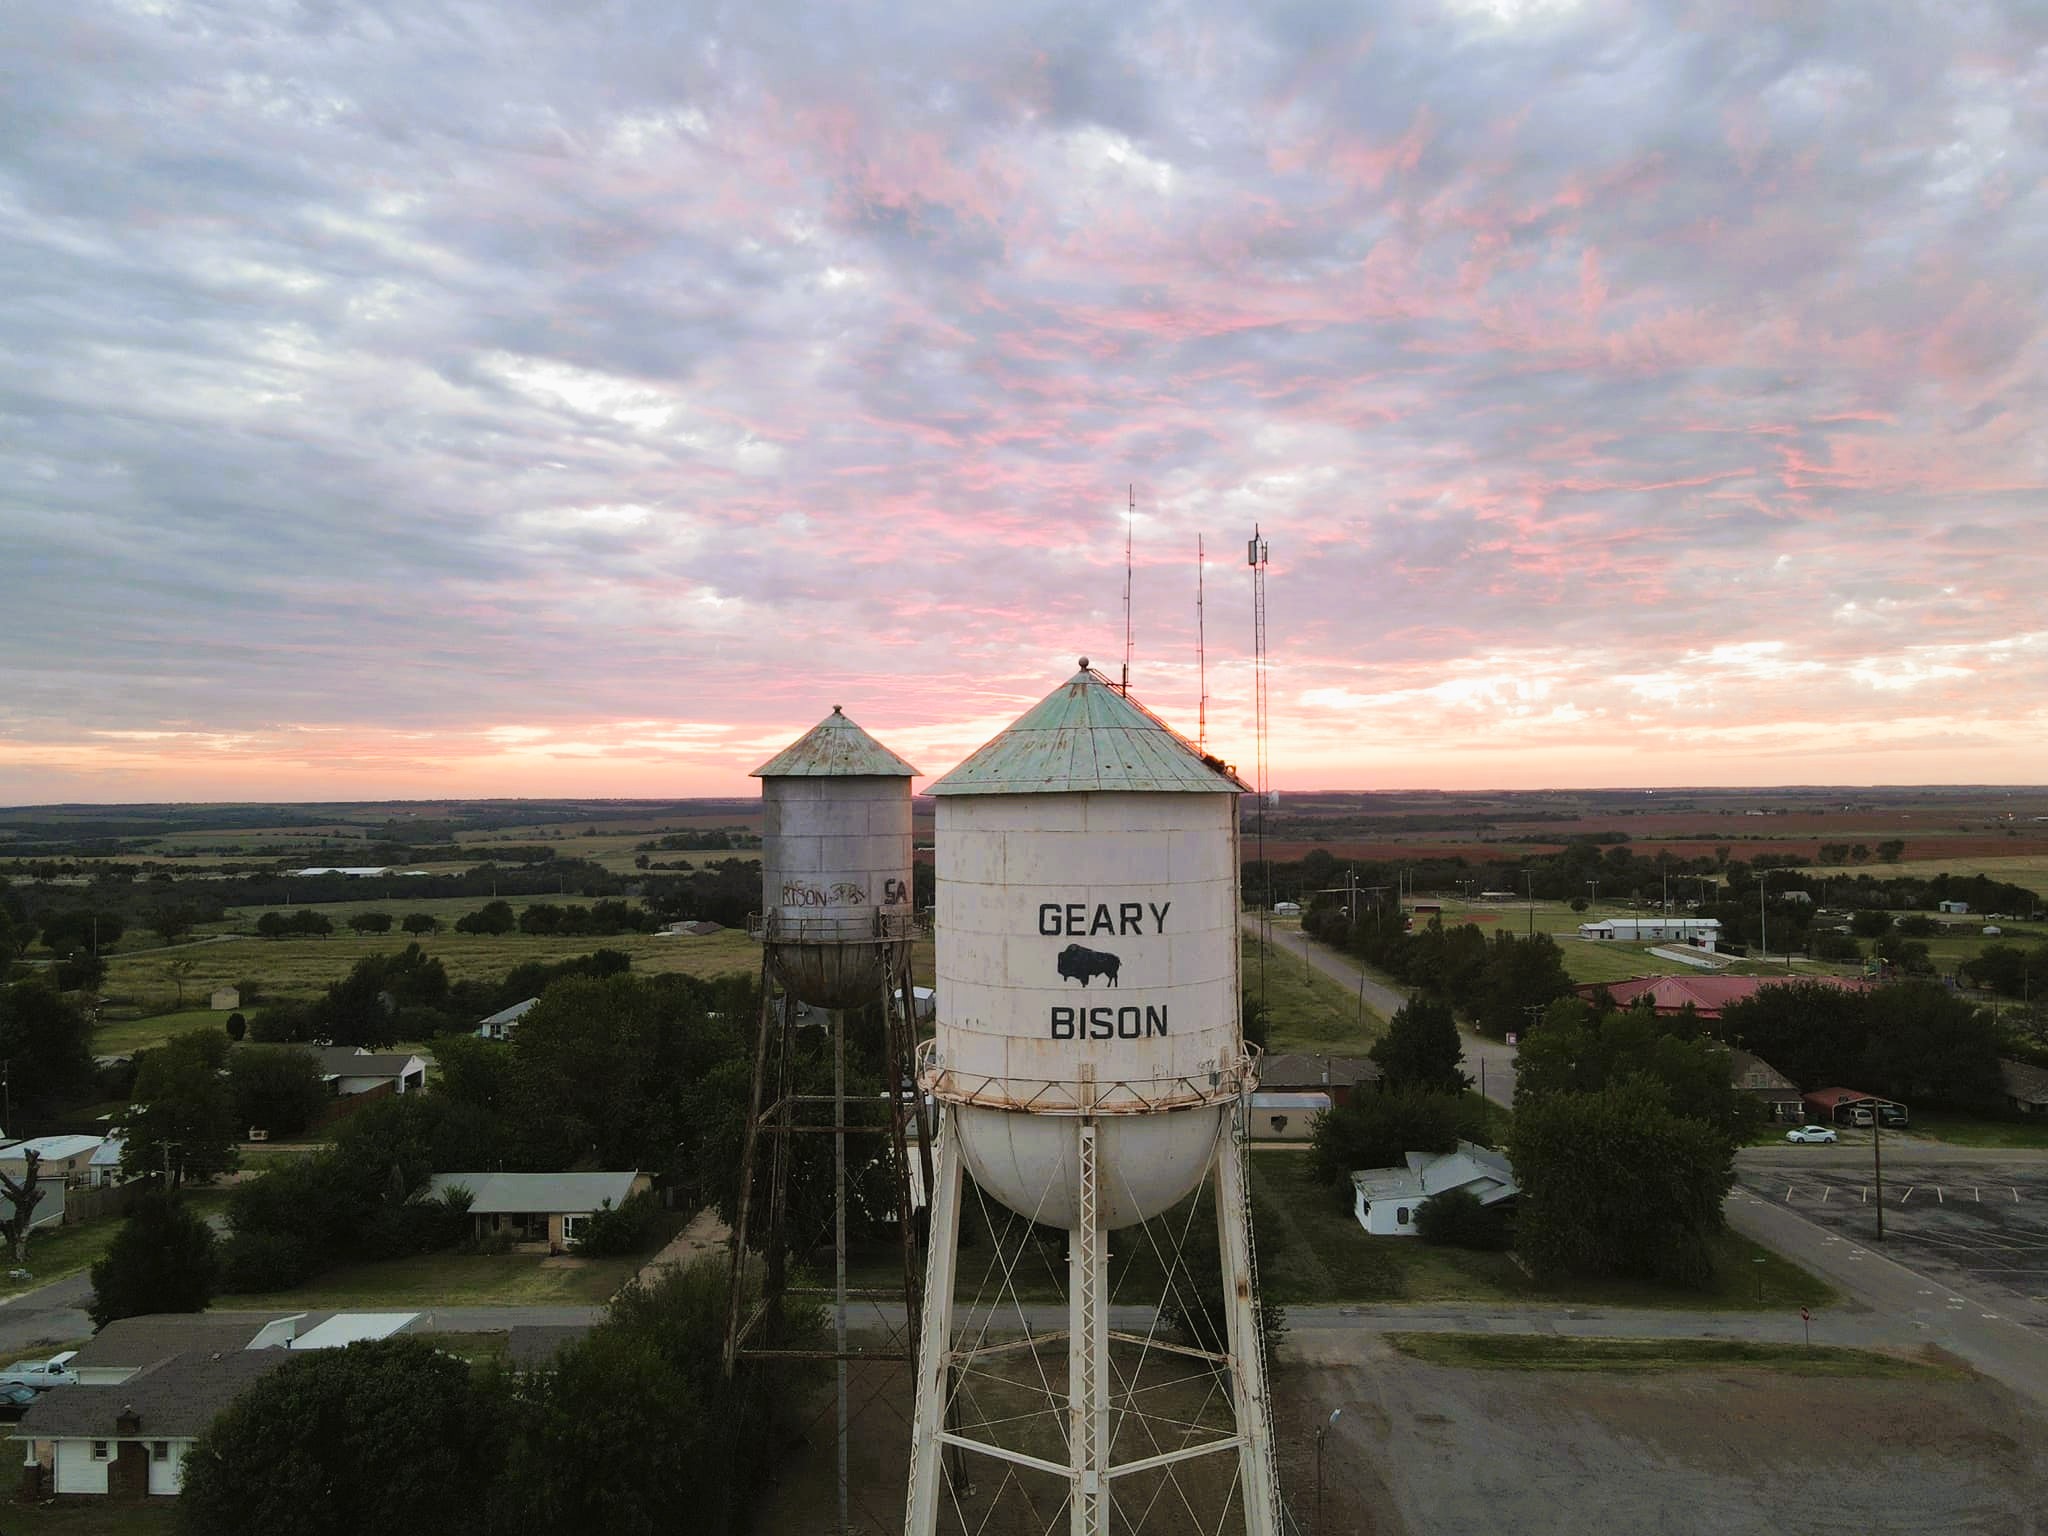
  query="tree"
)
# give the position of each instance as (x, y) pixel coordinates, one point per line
(1577, 1049)
(1888, 851)
(171, 923)
(642, 1407)
(362, 1008)
(163, 1259)
(1519, 974)
(390, 1436)
(494, 918)
(272, 925)
(541, 918)
(237, 1027)
(1456, 1219)
(179, 970)
(421, 922)
(276, 1087)
(1378, 1130)
(1613, 1183)
(182, 1123)
(370, 922)
(22, 1196)
(1421, 1049)
(91, 931)
(45, 1040)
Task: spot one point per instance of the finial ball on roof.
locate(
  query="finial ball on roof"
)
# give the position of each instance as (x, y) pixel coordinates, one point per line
(838, 710)
(1084, 663)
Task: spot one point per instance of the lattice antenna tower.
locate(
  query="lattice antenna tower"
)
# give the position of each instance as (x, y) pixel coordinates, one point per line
(1130, 520)
(1256, 555)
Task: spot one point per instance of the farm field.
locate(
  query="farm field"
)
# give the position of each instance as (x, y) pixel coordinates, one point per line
(302, 967)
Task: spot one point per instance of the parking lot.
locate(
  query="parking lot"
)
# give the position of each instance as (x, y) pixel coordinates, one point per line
(1984, 1222)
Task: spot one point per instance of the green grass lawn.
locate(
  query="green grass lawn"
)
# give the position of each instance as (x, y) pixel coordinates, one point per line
(455, 1280)
(1307, 1010)
(1969, 1131)
(89, 1517)
(1544, 1352)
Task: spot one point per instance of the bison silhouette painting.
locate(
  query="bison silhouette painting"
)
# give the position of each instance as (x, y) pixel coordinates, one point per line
(1082, 965)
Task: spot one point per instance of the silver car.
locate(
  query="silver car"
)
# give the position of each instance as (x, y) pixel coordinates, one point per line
(1812, 1133)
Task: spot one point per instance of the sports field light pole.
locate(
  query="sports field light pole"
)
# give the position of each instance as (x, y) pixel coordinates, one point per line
(1322, 1434)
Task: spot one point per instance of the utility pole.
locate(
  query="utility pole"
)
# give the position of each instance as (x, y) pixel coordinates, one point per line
(1877, 1164)
(1529, 885)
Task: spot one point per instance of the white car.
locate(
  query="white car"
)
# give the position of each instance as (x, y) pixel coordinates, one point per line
(1812, 1133)
(41, 1374)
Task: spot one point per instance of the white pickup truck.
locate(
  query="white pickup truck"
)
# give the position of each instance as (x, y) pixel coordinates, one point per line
(42, 1374)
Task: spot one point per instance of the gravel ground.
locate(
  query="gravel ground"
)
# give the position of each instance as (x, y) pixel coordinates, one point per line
(1437, 1451)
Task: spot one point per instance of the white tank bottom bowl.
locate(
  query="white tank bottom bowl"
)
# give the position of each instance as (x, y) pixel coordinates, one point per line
(1146, 1163)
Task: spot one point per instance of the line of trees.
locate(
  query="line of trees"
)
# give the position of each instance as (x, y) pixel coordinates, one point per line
(1499, 982)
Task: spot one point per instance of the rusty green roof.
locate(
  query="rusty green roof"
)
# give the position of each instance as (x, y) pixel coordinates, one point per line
(1086, 735)
(835, 748)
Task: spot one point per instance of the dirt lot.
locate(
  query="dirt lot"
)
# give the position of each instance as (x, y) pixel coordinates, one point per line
(1437, 1451)
(1982, 1221)
(1424, 1450)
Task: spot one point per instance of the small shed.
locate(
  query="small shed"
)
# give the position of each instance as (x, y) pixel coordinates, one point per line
(1953, 908)
(1286, 1116)
(225, 999)
(2025, 1086)
(1337, 1077)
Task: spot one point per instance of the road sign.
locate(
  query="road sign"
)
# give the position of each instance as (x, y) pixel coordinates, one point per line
(1805, 1316)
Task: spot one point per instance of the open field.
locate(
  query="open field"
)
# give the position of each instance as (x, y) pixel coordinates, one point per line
(302, 967)
(1550, 1352)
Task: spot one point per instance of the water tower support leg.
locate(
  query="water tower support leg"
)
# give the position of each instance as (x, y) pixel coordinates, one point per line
(1247, 1349)
(1088, 1350)
(934, 1361)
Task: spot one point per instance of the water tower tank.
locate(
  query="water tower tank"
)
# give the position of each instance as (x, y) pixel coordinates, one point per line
(835, 863)
(1087, 954)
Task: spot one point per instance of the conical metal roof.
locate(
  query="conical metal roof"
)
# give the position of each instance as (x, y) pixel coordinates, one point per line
(1085, 735)
(835, 748)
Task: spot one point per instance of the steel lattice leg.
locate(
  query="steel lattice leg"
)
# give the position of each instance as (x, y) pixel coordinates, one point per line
(934, 1358)
(1247, 1349)
(1088, 1349)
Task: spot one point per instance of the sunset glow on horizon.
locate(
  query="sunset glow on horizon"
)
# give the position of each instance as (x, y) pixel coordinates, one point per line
(523, 401)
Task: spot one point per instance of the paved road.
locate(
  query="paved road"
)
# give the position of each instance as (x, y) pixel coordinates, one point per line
(49, 1314)
(1489, 1063)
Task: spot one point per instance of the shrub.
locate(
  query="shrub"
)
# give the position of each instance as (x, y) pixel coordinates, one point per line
(630, 1227)
(1456, 1219)
(252, 1262)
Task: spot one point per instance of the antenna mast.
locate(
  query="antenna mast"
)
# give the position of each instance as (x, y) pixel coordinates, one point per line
(1201, 654)
(1255, 556)
(1130, 518)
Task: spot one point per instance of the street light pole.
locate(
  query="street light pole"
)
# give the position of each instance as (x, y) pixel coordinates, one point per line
(1877, 1164)
(1322, 1434)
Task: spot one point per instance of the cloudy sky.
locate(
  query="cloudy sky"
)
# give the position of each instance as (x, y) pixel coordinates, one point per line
(420, 399)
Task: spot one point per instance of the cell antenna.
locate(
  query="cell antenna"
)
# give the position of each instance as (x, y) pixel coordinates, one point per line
(1130, 520)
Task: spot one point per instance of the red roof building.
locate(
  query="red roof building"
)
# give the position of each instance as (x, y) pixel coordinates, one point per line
(1705, 995)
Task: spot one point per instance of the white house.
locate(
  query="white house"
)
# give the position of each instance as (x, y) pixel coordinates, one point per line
(130, 1440)
(1704, 932)
(65, 1159)
(539, 1209)
(1384, 1199)
(499, 1026)
(352, 1070)
(1953, 908)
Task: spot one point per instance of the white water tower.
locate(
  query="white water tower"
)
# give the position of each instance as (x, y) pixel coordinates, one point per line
(1089, 1060)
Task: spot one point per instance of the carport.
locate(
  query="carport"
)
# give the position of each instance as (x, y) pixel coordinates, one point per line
(1839, 1106)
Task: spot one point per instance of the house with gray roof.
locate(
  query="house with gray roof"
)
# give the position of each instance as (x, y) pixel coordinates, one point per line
(130, 1440)
(2025, 1085)
(1384, 1199)
(352, 1070)
(540, 1210)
